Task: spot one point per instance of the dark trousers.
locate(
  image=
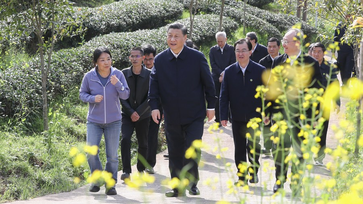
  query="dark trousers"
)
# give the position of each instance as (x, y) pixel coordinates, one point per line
(345, 63)
(152, 140)
(243, 146)
(217, 85)
(127, 129)
(179, 139)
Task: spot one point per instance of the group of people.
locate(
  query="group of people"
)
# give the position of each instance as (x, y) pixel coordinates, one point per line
(177, 85)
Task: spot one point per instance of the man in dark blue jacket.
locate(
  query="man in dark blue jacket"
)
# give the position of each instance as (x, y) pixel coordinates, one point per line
(182, 81)
(238, 92)
(220, 56)
(258, 51)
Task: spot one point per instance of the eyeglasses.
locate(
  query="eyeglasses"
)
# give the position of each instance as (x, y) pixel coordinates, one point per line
(241, 51)
(287, 42)
(135, 56)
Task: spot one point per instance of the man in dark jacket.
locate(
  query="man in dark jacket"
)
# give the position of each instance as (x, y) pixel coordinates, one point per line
(238, 92)
(273, 47)
(220, 56)
(345, 60)
(258, 51)
(135, 112)
(293, 60)
(182, 81)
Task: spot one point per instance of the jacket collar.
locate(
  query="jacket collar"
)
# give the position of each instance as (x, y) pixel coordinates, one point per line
(183, 54)
(143, 72)
(94, 72)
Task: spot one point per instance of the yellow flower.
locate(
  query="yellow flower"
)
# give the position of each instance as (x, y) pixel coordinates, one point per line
(218, 156)
(73, 151)
(306, 155)
(302, 117)
(198, 144)
(174, 183)
(258, 109)
(360, 141)
(224, 149)
(92, 150)
(274, 128)
(76, 180)
(79, 160)
(190, 153)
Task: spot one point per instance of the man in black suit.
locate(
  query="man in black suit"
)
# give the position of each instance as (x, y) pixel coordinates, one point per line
(345, 60)
(135, 112)
(293, 60)
(258, 51)
(220, 56)
(273, 47)
(152, 147)
(182, 81)
(238, 92)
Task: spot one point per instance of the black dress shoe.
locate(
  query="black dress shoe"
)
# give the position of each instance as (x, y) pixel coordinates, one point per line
(94, 188)
(111, 191)
(194, 190)
(174, 193)
(277, 187)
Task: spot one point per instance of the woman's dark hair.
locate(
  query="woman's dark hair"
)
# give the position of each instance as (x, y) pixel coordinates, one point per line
(97, 53)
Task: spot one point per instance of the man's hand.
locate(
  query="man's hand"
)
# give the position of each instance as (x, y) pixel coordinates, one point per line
(135, 116)
(224, 123)
(221, 77)
(210, 114)
(155, 114)
(98, 98)
(266, 120)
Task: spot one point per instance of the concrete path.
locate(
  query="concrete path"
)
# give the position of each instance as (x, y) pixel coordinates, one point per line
(213, 171)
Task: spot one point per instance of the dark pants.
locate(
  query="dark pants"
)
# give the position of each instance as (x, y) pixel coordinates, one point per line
(243, 146)
(217, 85)
(127, 129)
(345, 62)
(152, 139)
(179, 139)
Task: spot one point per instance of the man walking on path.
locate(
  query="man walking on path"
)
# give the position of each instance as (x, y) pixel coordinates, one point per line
(258, 51)
(220, 56)
(135, 112)
(181, 80)
(238, 93)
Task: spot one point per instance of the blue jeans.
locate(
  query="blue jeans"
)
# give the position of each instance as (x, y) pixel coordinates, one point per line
(111, 132)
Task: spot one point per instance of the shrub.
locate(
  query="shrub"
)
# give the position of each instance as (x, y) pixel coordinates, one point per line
(22, 86)
(259, 3)
(127, 15)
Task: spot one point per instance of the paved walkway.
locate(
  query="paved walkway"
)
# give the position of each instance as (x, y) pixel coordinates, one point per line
(213, 171)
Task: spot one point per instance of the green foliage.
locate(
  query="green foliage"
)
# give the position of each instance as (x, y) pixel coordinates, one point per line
(92, 3)
(21, 91)
(29, 170)
(259, 3)
(262, 21)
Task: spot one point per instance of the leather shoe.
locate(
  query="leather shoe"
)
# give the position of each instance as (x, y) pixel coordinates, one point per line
(174, 193)
(125, 176)
(277, 187)
(194, 190)
(111, 191)
(94, 188)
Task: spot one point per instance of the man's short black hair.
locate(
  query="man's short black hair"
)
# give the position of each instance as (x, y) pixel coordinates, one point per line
(178, 26)
(252, 36)
(149, 49)
(242, 41)
(318, 44)
(138, 49)
(273, 39)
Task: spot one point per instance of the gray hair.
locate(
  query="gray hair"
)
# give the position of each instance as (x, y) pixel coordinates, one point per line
(221, 33)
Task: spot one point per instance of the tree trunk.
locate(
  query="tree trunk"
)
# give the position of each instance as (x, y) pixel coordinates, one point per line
(305, 10)
(221, 16)
(191, 20)
(298, 8)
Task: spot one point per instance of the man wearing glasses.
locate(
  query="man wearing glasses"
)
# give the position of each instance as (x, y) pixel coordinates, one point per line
(238, 92)
(293, 61)
(135, 112)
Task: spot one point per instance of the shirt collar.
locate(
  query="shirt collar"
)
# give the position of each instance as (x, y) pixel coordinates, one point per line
(176, 55)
